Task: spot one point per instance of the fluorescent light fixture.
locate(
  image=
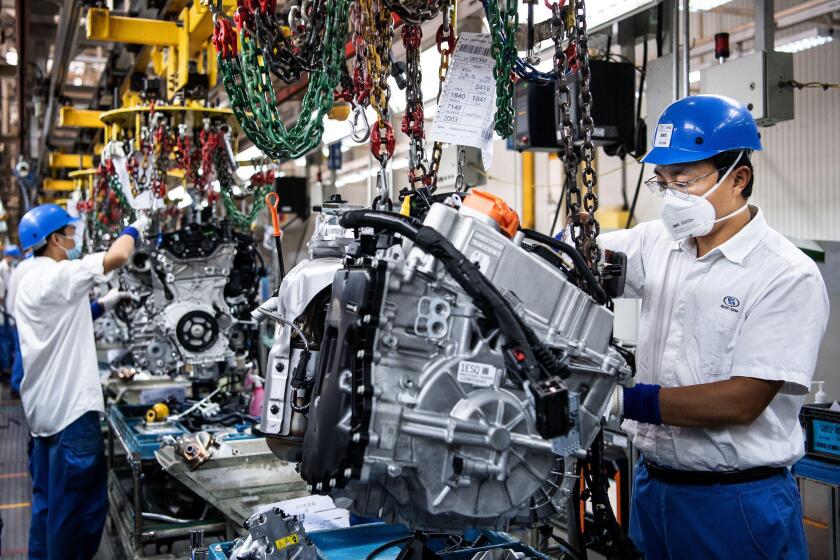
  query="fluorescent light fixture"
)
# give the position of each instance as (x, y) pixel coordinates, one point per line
(705, 5)
(249, 153)
(400, 163)
(806, 40)
(12, 57)
(694, 76)
(599, 13)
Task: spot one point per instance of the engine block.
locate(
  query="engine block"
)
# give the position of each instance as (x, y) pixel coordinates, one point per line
(412, 414)
(191, 313)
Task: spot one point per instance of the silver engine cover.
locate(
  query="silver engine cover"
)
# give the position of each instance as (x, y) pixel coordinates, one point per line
(181, 322)
(414, 418)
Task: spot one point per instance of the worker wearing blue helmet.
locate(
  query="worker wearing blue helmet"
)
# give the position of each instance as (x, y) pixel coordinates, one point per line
(11, 256)
(60, 391)
(731, 321)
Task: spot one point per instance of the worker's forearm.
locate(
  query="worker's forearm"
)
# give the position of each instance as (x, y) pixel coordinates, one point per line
(119, 253)
(709, 405)
(732, 402)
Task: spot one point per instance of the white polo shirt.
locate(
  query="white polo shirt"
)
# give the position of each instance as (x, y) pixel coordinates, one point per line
(61, 373)
(755, 306)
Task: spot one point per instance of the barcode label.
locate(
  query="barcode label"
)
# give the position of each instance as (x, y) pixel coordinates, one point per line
(474, 49)
(476, 373)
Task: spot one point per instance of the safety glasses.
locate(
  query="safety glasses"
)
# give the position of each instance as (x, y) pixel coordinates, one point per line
(678, 188)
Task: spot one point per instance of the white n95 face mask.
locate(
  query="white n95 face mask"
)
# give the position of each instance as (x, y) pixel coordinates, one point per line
(694, 216)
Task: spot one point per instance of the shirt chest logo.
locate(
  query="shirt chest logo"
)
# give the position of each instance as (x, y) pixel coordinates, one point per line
(731, 303)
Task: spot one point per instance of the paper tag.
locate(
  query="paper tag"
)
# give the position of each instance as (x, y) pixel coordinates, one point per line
(143, 201)
(663, 135)
(467, 102)
(476, 373)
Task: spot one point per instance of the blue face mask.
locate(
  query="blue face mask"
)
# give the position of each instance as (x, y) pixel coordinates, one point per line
(75, 252)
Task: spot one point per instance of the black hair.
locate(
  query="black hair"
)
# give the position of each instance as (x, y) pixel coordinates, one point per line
(724, 161)
(39, 252)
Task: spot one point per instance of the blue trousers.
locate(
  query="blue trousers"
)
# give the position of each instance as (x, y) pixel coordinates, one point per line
(17, 363)
(7, 345)
(761, 520)
(69, 494)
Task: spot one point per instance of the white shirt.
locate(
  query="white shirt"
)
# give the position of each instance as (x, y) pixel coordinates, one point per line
(756, 306)
(14, 280)
(5, 273)
(61, 374)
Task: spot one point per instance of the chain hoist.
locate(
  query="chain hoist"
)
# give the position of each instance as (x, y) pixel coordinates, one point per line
(161, 150)
(568, 22)
(378, 29)
(413, 118)
(589, 246)
(289, 50)
(503, 50)
(247, 80)
(445, 39)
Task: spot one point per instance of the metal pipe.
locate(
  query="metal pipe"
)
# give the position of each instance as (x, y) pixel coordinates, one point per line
(686, 48)
(21, 25)
(765, 26)
(675, 47)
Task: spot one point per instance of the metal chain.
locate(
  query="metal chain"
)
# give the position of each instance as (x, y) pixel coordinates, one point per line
(459, 178)
(447, 36)
(412, 123)
(247, 80)
(503, 50)
(583, 235)
(590, 247)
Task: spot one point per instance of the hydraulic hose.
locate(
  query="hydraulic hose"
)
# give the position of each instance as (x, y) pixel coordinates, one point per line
(468, 276)
(580, 265)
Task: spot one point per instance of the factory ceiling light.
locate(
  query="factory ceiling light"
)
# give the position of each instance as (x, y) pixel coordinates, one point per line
(806, 40)
(705, 5)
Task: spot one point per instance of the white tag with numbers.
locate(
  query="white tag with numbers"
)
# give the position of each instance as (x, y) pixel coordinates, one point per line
(476, 373)
(467, 102)
(663, 135)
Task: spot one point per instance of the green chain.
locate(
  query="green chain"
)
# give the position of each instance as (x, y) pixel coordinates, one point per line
(504, 54)
(240, 219)
(114, 183)
(247, 80)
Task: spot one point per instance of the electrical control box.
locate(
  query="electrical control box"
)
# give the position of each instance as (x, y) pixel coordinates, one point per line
(294, 195)
(758, 81)
(613, 87)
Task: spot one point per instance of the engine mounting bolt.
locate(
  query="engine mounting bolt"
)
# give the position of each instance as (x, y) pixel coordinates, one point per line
(274, 409)
(394, 470)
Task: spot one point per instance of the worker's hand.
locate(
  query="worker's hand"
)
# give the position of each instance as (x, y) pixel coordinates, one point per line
(113, 297)
(141, 224)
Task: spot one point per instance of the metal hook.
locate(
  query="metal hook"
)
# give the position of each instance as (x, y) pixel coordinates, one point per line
(359, 135)
(272, 200)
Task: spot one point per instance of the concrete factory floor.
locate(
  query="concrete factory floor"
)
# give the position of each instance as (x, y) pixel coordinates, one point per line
(15, 484)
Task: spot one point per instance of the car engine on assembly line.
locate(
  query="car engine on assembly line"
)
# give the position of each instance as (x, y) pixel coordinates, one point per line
(444, 374)
(194, 291)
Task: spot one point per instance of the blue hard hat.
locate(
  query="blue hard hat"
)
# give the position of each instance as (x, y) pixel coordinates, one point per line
(702, 126)
(12, 251)
(40, 222)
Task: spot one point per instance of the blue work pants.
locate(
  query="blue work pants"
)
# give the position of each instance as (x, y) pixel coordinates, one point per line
(761, 519)
(69, 494)
(17, 362)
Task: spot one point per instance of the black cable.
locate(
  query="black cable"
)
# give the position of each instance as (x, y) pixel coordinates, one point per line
(471, 280)
(559, 204)
(408, 538)
(580, 265)
(632, 211)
